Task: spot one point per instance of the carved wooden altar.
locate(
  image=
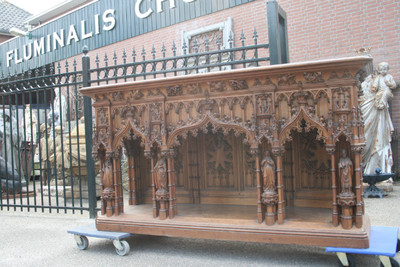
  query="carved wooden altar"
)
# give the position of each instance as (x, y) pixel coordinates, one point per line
(197, 142)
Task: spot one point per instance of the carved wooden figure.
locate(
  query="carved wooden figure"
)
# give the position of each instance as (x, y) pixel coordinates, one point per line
(346, 198)
(269, 196)
(160, 179)
(233, 149)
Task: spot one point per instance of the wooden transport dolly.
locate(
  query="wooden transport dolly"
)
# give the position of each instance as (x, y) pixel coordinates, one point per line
(383, 242)
(81, 233)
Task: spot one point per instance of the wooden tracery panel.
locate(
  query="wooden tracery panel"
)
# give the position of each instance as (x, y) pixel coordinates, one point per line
(215, 169)
(312, 173)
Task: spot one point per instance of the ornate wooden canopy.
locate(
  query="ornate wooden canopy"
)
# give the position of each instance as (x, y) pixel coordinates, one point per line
(268, 108)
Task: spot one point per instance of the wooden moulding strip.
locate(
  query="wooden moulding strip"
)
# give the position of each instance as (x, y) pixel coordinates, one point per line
(279, 235)
(273, 70)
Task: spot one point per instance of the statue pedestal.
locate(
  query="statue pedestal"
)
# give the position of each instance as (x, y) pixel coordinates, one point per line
(270, 199)
(162, 198)
(347, 201)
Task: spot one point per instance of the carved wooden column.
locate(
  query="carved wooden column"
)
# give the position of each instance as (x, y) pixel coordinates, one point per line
(119, 200)
(108, 189)
(131, 179)
(278, 153)
(101, 173)
(174, 206)
(335, 212)
(357, 149)
(260, 207)
(148, 155)
(171, 183)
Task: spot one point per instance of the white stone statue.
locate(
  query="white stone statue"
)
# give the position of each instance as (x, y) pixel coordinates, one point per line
(378, 127)
(50, 146)
(30, 122)
(60, 106)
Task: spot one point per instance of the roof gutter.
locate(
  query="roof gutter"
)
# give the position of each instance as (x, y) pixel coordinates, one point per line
(54, 12)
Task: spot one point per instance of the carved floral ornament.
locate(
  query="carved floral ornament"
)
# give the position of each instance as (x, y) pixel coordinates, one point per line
(103, 136)
(238, 85)
(192, 89)
(265, 128)
(266, 105)
(117, 96)
(101, 97)
(155, 111)
(174, 90)
(102, 116)
(287, 79)
(135, 95)
(313, 77)
(218, 86)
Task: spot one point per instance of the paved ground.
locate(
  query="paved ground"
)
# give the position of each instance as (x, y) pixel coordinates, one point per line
(36, 239)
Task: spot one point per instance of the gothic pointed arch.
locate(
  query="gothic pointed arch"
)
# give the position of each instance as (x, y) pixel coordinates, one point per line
(204, 123)
(125, 132)
(343, 134)
(297, 123)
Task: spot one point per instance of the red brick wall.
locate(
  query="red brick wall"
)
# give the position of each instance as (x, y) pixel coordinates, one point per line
(246, 17)
(316, 30)
(331, 29)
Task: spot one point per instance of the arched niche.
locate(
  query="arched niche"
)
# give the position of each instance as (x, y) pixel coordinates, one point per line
(307, 167)
(135, 170)
(215, 166)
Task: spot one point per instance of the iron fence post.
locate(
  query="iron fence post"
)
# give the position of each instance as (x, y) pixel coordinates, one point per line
(277, 34)
(87, 109)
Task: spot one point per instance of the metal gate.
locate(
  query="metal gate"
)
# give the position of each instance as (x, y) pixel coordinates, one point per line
(46, 125)
(44, 160)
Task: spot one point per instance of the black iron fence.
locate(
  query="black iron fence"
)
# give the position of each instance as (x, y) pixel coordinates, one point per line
(196, 57)
(42, 150)
(46, 125)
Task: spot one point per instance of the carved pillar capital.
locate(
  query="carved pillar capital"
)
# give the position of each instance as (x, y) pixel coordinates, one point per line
(357, 148)
(148, 154)
(170, 153)
(115, 154)
(254, 150)
(95, 155)
(331, 149)
(278, 151)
